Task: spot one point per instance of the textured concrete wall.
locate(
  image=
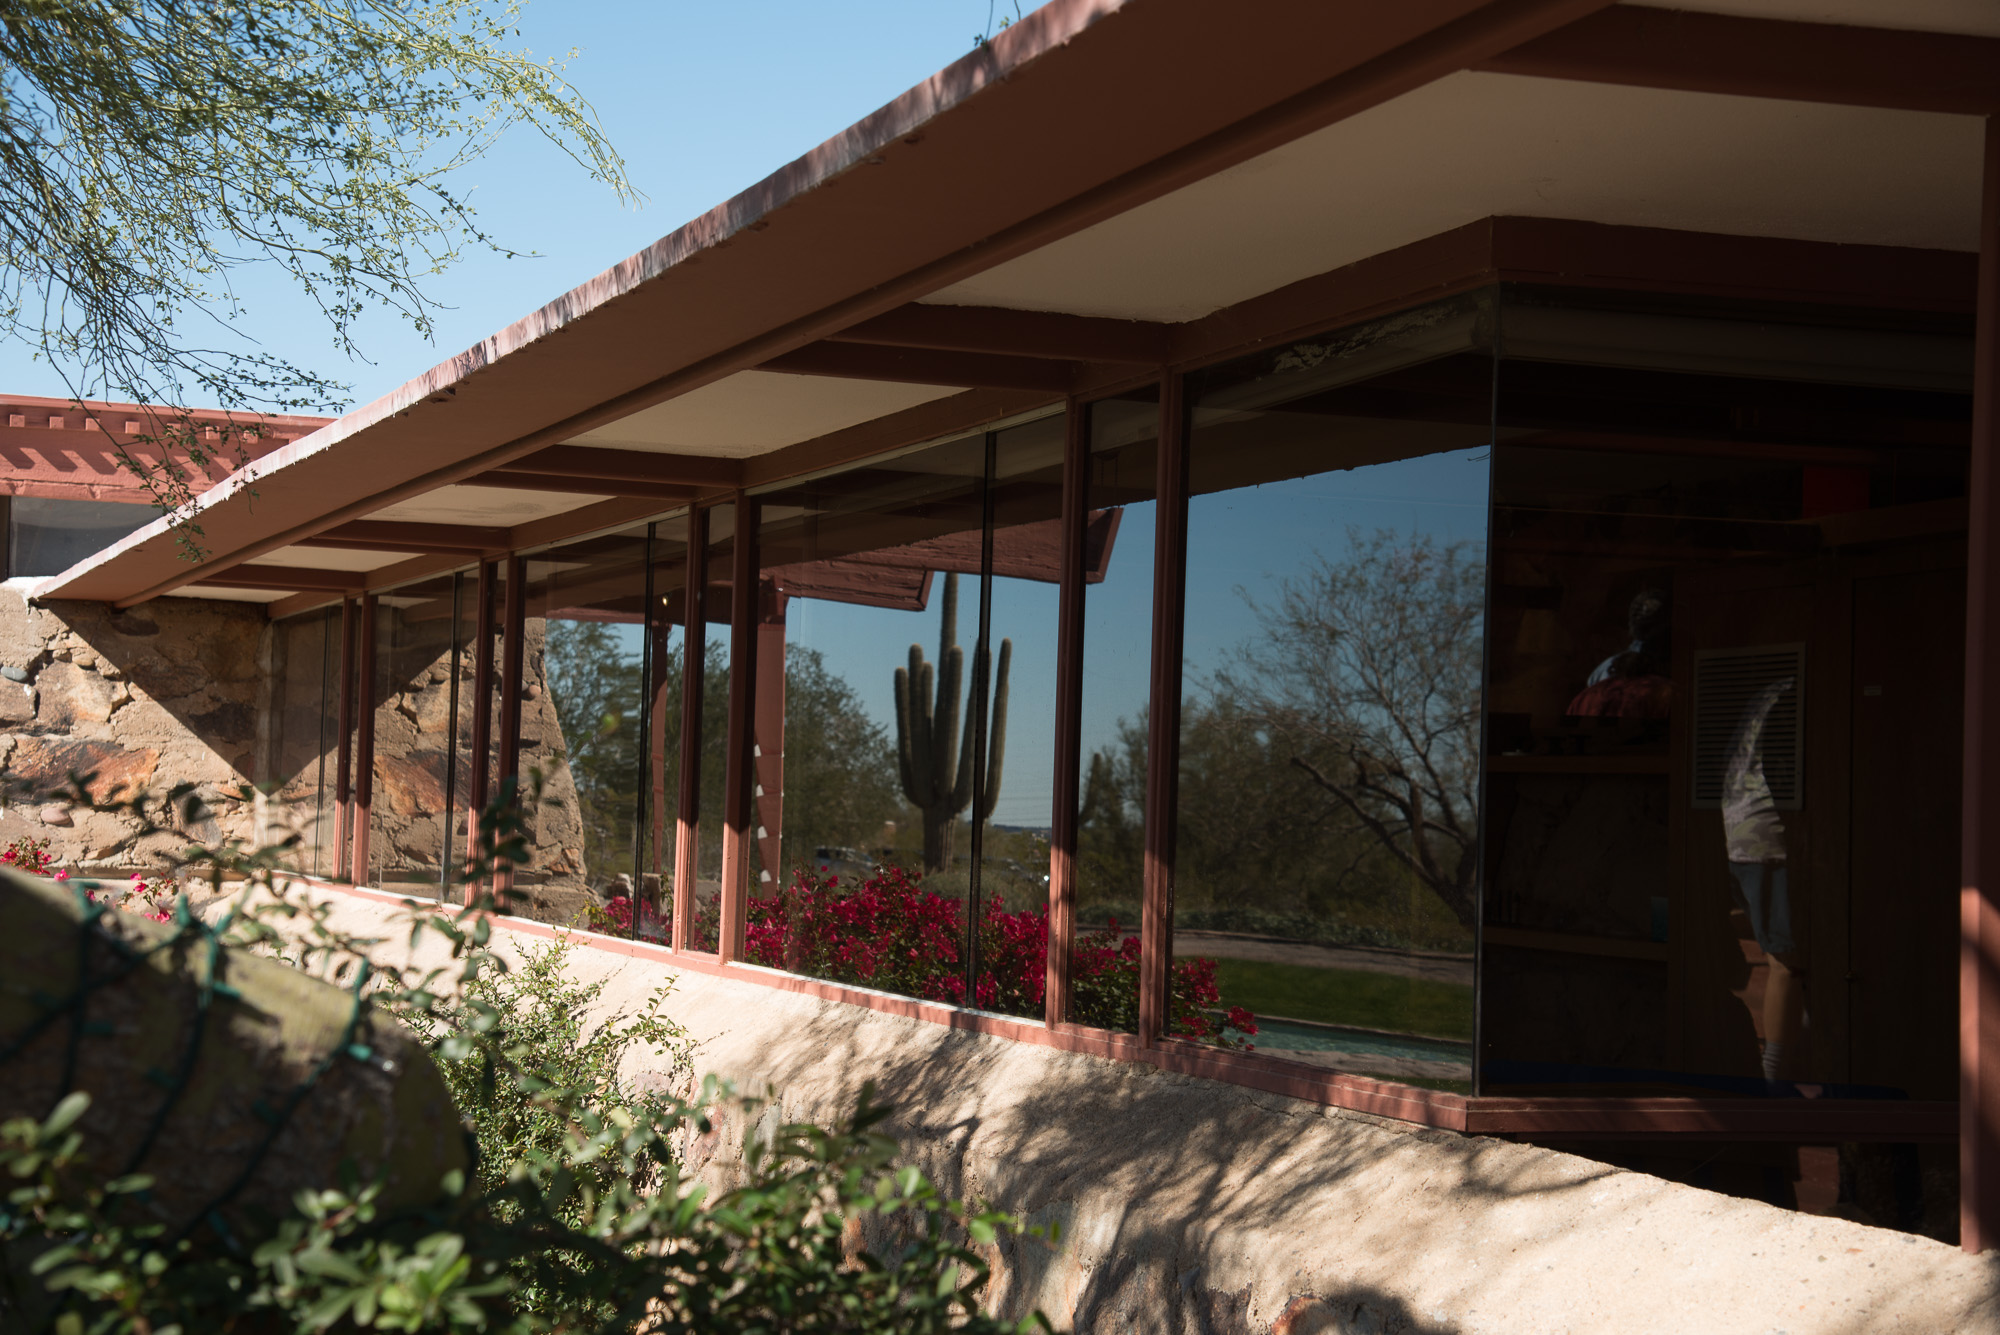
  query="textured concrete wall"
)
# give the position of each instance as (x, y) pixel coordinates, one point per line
(1199, 1208)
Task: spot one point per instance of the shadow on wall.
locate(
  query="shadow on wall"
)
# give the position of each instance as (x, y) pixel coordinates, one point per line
(165, 694)
(1160, 1183)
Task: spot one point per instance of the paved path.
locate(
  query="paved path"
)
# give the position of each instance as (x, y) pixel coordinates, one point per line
(1365, 959)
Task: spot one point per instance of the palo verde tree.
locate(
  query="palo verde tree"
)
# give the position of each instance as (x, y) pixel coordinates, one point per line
(153, 150)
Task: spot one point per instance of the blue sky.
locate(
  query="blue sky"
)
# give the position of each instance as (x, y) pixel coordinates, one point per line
(701, 99)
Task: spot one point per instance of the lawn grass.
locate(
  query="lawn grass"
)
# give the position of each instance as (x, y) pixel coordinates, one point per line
(1348, 996)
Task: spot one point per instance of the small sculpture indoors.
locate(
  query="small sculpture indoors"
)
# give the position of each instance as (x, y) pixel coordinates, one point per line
(941, 770)
(233, 1080)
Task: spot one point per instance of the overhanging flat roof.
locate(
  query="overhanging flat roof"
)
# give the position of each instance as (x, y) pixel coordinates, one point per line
(1080, 201)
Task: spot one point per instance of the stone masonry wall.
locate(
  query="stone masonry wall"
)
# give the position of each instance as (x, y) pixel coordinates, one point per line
(186, 690)
(165, 694)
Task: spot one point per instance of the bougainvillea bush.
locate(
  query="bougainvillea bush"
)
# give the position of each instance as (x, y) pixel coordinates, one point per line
(149, 898)
(890, 933)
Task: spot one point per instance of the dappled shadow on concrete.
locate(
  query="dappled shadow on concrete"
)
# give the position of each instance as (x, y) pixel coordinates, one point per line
(1189, 1205)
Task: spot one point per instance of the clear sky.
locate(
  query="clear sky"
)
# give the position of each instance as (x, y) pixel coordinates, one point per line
(701, 99)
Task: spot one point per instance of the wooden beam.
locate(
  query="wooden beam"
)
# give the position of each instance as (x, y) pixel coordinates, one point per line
(992, 329)
(285, 578)
(914, 366)
(686, 470)
(391, 536)
(1807, 62)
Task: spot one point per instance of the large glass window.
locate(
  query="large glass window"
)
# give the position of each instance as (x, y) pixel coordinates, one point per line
(306, 654)
(1327, 811)
(1727, 656)
(1121, 486)
(899, 848)
(712, 746)
(871, 678)
(607, 679)
(47, 537)
(413, 670)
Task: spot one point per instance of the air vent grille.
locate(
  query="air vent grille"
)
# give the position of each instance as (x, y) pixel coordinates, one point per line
(1731, 686)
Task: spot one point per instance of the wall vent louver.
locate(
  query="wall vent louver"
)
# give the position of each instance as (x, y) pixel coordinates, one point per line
(1728, 683)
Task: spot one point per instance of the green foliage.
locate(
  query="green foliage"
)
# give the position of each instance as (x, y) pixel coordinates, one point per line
(1328, 772)
(840, 771)
(538, 1020)
(152, 150)
(581, 1214)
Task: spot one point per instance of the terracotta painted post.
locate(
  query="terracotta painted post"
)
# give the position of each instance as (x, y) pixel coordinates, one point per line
(1156, 943)
(769, 741)
(694, 654)
(1979, 897)
(737, 814)
(1069, 697)
(478, 790)
(364, 742)
(343, 782)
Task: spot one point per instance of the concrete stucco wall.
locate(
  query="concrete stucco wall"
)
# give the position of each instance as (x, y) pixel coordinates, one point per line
(1201, 1208)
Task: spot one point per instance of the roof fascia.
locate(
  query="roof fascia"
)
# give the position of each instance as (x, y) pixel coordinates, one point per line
(1689, 52)
(946, 181)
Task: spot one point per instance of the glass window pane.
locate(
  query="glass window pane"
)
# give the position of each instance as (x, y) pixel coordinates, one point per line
(714, 740)
(1117, 665)
(1327, 832)
(413, 718)
(868, 758)
(1726, 706)
(1013, 811)
(47, 537)
(605, 651)
(302, 768)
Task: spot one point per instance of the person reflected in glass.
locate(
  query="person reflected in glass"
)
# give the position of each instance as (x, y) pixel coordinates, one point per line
(1754, 835)
(1633, 683)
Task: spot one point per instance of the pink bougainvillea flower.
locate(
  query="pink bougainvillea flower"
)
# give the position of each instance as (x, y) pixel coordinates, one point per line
(63, 875)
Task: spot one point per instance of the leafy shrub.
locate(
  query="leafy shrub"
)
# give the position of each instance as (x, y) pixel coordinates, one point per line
(578, 1216)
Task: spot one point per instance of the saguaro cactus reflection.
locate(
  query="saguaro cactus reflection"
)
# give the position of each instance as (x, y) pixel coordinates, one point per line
(942, 769)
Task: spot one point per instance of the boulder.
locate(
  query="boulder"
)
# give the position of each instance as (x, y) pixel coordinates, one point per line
(290, 1076)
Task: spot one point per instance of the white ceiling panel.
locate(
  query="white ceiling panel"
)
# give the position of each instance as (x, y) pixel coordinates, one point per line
(1478, 145)
(484, 505)
(331, 558)
(755, 412)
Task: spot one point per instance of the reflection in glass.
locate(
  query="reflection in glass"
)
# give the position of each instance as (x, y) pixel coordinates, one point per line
(302, 768)
(706, 915)
(408, 813)
(1726, 701)
(1327, 824)
(1121, 485)
(1015, 804)
(609, 659)
(872, 751)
